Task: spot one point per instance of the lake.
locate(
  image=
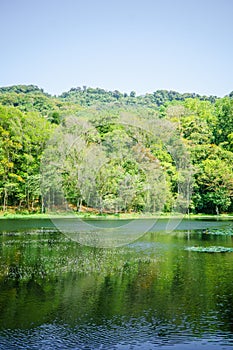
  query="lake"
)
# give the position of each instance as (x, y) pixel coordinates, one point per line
(147, 290)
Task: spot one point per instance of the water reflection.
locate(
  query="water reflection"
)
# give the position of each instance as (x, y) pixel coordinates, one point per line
(152, 293)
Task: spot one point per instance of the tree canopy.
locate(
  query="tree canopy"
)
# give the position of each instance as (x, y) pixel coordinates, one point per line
(112, 151)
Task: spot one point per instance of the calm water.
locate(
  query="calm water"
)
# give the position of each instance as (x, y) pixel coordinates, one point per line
(151, 293)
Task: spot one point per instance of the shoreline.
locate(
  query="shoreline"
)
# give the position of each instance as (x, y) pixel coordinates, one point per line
(123, 216)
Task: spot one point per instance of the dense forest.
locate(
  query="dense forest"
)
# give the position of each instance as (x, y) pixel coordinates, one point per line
(108, 151)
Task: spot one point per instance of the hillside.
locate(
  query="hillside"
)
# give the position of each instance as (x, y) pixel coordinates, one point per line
(31, 97)
(115, 152)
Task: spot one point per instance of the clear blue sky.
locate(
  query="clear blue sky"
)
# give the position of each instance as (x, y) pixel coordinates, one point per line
(140, 45)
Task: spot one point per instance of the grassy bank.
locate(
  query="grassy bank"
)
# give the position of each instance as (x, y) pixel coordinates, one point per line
(122, 216)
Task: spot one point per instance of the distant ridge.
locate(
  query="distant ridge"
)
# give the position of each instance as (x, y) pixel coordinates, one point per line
(88, 96)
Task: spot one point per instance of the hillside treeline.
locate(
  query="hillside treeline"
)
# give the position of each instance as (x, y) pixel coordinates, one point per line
(115, 152)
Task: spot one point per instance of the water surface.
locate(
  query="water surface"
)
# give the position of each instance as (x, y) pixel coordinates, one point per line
(151, 293)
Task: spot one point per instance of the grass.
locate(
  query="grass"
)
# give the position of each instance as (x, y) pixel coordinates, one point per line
(122, 216)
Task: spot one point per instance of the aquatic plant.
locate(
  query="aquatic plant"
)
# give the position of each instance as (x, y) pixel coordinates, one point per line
(49, 255)
(221, 232)
(211, 249)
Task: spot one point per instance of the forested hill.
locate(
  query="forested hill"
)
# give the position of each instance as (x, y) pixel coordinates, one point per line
(118, 134)
(89, 96)
(30, 97)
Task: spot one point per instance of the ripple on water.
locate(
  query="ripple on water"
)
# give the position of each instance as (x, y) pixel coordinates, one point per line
(134, 334)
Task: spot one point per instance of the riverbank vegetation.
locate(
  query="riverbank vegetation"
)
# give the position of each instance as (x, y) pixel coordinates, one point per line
(107, 152)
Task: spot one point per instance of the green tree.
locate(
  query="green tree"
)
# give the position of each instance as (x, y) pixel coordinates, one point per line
(224, 124)
(215, 186)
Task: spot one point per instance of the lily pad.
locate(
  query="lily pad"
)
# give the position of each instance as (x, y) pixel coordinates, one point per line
(212, 249)
(220, 232)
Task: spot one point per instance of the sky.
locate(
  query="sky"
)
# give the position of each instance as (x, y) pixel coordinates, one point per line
(125, 45)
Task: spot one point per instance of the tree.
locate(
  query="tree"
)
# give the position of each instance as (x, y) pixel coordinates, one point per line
(224, 123)
(215, 186)
(132, 94)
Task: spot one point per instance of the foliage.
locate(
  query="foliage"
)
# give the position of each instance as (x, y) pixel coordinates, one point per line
(22, 139)
(224, 123)
(118, 158)
(89, 96)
